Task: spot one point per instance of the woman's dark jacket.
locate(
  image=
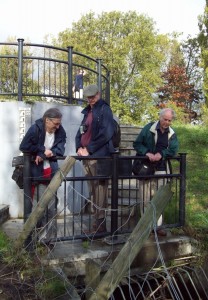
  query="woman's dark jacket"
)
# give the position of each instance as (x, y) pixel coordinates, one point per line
(102, 130)
(33, 142)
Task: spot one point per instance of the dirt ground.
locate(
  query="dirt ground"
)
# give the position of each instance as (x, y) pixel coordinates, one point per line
(13, 286)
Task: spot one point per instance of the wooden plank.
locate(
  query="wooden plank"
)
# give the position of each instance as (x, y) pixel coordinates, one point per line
(45, 199)
(92, 278)
(133, 245)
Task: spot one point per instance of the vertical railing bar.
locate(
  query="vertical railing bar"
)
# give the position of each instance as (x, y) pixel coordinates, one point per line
(32, 76)
(49, 73)
(60, 79)
(13, 75)
(7, 71)
(99, 79)
(44, 73)
(70, 63)
(27, 185)
(1, 85)
(65, 207)
(114, 195)
(182, 188)
(26, 75)
(38, 75)
(20, 68)
(55, 92)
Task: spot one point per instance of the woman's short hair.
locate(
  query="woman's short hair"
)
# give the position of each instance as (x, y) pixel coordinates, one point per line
(52, 113)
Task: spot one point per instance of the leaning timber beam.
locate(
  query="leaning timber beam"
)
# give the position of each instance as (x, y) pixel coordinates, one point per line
(133, 245)
(45, 199)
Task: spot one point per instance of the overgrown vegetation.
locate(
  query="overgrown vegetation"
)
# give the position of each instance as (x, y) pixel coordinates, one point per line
(43, 283)
(22, 276)
(194, 141)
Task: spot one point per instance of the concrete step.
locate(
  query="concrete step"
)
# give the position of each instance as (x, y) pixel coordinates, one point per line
(129, 134)
(129, 129)
(126, 189)
(4, 213)
(126, 193)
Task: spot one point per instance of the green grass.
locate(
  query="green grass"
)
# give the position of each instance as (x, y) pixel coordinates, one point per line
(193, 140)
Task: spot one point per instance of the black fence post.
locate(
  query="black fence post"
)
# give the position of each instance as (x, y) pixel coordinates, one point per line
(114, 194)
(27, 185)
(70, 79)
(182, 189)
(107, 95)
(99, 76)
(20, 68)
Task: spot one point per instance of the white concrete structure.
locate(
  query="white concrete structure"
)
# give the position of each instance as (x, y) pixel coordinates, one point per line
(15, 118)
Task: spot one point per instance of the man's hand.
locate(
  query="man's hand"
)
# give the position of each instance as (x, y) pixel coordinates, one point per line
(158, 156)
(82, 152)
(151, 156)
(154, 157)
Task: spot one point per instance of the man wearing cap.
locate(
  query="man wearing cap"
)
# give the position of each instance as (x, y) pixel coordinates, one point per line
(94, 139)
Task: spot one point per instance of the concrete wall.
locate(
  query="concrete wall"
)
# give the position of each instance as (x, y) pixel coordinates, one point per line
(15, 118)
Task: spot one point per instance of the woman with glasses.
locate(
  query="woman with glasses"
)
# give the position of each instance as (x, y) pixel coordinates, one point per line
(44, 140)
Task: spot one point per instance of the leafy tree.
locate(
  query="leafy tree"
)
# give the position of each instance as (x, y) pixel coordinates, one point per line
(203, 42)
(9, 72)
(176, 87)
(129, 45)
(9, 69)
(178, 90)
(182, 78)
(191, 54)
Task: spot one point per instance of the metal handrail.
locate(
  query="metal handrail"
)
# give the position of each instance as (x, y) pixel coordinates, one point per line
(49, 74)
(116, 177)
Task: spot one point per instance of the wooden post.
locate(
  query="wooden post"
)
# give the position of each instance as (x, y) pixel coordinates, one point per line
(92, 278)
(133, 245)
(45, 199)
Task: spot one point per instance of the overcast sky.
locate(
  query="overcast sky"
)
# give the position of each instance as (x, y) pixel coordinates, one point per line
(33, 19)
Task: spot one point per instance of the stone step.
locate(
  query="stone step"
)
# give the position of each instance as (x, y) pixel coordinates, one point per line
(124, 202)
(4, 213)
(126, 207)
(127, 151)
(128, 136)
(128, 129)
(126, 193)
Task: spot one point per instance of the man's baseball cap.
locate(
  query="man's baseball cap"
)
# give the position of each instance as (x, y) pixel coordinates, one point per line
(90, 90)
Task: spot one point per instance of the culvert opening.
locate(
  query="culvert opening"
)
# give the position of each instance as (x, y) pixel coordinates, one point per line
(186, 282)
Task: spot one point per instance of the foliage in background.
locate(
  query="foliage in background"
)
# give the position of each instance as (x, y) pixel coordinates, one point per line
(9, 73)
(131, 49)
(203, 42)
(194, 141)
(137, 57)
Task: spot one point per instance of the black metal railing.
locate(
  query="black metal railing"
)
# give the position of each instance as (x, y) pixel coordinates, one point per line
(35, 72)
(122, 213)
